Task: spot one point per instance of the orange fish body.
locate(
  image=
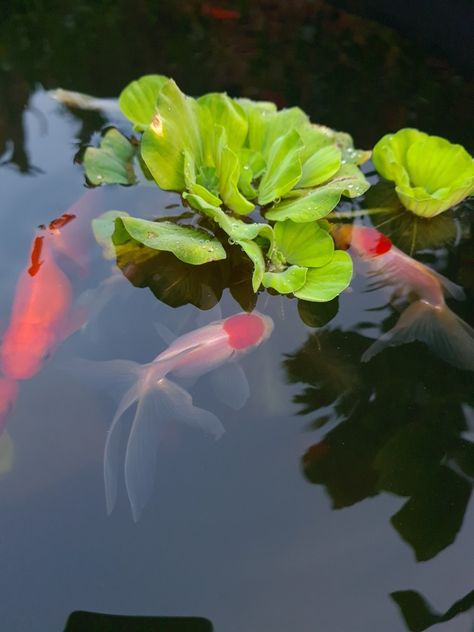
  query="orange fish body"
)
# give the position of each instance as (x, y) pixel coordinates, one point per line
(40, 309)
(427, 319)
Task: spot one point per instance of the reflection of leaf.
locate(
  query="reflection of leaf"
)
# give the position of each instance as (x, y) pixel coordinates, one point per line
(7, 453)
(138, 100)
(317, 314)
(189, 244)
(431, 519)
(419, 615)
(111, 162)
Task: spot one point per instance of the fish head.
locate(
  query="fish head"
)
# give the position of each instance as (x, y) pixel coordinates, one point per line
(247, 330)
(366, 241)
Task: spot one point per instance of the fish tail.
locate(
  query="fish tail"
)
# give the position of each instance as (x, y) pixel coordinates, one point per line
(439, 328)
(158, 400)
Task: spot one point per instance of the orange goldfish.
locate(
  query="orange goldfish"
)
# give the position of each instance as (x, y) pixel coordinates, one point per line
(427, 318)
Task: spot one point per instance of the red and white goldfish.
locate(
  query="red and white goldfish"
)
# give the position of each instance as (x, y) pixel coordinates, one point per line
(159, 400)
(427, 319)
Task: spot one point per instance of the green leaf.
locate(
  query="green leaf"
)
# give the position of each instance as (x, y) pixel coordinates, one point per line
(306, 245)
(103, 228)
(174, 130)
(286, 282)
(111, 162)
(234, 227)
(321, 166)
(318, 202)
(252, 166)
(420, 616)
(189, 244)
(327, 282)
(227, 113)
(137, 101)
(228, 171)
(318, 314)
(283, 168)
(255, 254)
(257, 113)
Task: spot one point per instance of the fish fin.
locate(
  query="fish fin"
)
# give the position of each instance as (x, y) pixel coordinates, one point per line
(74, 322)
(164, 333)
(440, 329)
(230, 385)
(116, 376)
(164, 401)
(450, 288)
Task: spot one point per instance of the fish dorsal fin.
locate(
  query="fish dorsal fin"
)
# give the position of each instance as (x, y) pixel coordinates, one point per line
(450, 288)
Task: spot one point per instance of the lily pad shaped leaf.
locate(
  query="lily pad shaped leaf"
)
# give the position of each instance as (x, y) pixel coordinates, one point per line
(325, 283)
(307, 245)
(283, 168)
(137, 101)
(319, 202)
(188, 244)
(111, 162)
(175, 129)
(286, 282)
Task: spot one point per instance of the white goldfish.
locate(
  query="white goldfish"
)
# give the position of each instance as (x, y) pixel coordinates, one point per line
(427, 319)
(158, 399)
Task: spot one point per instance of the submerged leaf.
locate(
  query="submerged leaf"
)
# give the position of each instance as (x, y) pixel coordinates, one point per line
(189, 244)
(103, 228)
(111, 162)
(327, 282)
(137, 101)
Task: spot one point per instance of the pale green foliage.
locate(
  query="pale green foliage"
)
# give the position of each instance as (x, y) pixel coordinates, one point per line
(430, 173)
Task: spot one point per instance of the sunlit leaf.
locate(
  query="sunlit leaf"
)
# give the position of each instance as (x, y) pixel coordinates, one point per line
(283, 168)
(138, 100)
(318, 202)
(287, 281)
(229, 114)
(189, 244)
(174, 130)
(111, 162)
(255, 254)
(306, 245)
(327, 282)
(319, 167)
(228, 172)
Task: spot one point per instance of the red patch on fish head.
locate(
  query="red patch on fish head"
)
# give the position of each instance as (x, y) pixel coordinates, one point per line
(244, 330)
(370, 242)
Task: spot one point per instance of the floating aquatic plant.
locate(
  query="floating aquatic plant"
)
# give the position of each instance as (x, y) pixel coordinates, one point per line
(229, 158)
(430, 173)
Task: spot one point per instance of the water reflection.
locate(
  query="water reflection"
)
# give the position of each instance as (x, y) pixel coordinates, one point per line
(97, 622)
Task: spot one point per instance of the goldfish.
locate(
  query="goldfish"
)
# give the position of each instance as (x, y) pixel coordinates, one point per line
(219, 13)
(158, 399)
(427, 318)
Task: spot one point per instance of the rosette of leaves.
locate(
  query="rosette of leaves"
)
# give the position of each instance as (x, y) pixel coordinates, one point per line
(229, 158)
(430, 173)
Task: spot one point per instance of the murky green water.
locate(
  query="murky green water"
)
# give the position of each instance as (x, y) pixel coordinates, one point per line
(340, 484)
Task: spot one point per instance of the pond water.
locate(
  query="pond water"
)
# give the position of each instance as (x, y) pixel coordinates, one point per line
(340, 484)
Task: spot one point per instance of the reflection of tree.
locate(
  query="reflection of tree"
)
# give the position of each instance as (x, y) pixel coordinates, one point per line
(98, 622)
(401, 432)
(310, 54)
(419, 615)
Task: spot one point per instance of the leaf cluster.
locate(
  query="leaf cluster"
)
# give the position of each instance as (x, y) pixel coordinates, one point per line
(231, 159)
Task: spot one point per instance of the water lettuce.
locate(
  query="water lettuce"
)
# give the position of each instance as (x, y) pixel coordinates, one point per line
(430, 173)
(228, 158)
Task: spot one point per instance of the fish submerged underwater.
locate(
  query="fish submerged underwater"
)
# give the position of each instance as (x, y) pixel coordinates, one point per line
(158, 399)
(427, 319)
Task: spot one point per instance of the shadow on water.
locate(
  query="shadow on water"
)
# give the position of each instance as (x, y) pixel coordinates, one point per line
(97, 622)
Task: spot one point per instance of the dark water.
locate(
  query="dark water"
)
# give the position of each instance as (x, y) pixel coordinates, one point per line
(304, 522)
